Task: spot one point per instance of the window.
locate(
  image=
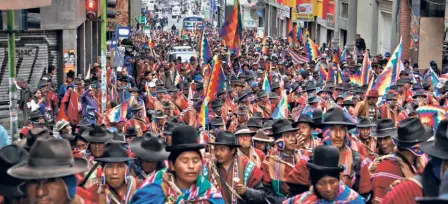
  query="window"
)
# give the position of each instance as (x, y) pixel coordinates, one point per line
(344, 10)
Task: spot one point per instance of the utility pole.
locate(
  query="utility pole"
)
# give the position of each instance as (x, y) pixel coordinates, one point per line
(103, 54)
(13, 114)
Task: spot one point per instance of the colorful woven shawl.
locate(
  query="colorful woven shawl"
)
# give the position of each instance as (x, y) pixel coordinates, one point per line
(345, 195)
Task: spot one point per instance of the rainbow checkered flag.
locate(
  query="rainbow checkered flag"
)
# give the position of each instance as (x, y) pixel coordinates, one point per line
(232, 29)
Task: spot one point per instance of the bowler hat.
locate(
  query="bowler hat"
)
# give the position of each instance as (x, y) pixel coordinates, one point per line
(97, 133)
(336, 116)
(114, 152)
(49, 158)
(325, 158)
(9, 156)
(184, 138)
(149, 148)
(281, 126)
(225, 138)
(439, 147)
(410, 132)
(364, 122)
(385, 128)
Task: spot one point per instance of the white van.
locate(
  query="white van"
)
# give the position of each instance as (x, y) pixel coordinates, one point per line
(175, 12)
(151, 5)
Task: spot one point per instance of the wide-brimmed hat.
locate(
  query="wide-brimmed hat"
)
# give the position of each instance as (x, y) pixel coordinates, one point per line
(390, 96)
(159, 114)
(217, 121)
(262, 137)
(225, 138)
(184, 138)
(49, 158)
(281, 126)
(418, 93)
(166, 104)
(385, 128)
(410, 132)
(244, 130)
(310, 87)
(364, 122)
(304, 118)
(325, 158)
(149, 148)
(97, 133)
(439, 147)
(9, 156)
(114, 151)
(241, 110)
(216, 104)
(325, 89)
(61, 124)
(261, 94)
(373, 94)
(336, 116)
(312, 99)
(130, 132)
(242, 95)
(273, 95)
(136, 107)
(254, 122)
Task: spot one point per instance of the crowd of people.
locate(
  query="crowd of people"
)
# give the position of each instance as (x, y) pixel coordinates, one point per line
(336, 142)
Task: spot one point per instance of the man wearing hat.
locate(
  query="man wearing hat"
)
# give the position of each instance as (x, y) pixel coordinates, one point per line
(419, 98)
(117, 185)
(123, 89)
(184, 172)
(88, 99)
(137, 120)
(10, 188)
(71, 102)
(169, 109)
(178, 99)
(240, 118)
(50, 174)
(367, 108)
(262, 104)
(150, 155)
(364, 142)
(336, 134)
(425, 184)
(64, 130)
(245, 149)
(238, 178)
(305, 140)
(407, 161)
(280, 160)
(96, 136)
(325, 180)
(385, 130)
(390, 109)
(428, 90)
(158, 122)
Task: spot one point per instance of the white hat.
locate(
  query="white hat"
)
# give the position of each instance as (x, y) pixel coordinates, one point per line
(151, 84)
(61, 124)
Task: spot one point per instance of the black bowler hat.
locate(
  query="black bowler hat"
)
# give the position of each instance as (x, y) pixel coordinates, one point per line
(325, 158)
(184, 138)
(385, 128)
(281, 126)
(130, 132)
(114, 151)
(410, 132)
(439, 147)
(225, 138)
(169, 127)
(336, 116)
(364, 122)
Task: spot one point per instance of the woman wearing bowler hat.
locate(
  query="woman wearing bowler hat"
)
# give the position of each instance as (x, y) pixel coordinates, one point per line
(325, 172)
(183, 181)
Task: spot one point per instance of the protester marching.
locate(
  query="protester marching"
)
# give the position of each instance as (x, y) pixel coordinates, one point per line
(249, 119)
